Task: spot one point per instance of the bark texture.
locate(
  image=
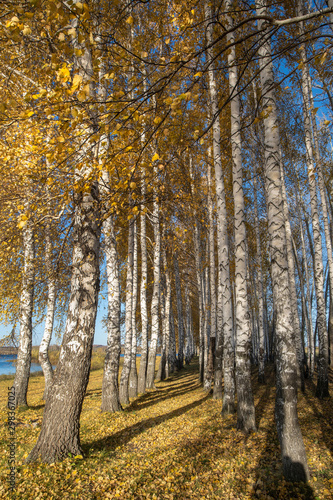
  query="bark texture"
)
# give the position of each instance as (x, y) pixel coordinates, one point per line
(156, 296)
(245, 403)
(222, 233)
(23, 363)
(125, 373)
(59, 434)
(294, 461)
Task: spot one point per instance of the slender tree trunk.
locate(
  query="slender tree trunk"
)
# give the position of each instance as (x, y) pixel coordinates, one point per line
(168, 346)
(261, 332)
(294, 461)
(245, 403)
(143, 292)
(110, 387)
(322, 383)
(50, 308)
(180, 357)
(187, 349)
(133, 378)
(292, 283)
(125, 373)
(23, 364)
(222, 233)
(156, 295)
(173, 356)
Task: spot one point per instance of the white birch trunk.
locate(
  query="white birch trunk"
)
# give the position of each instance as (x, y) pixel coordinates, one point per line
(222, 234)
(23, 362)
(51, 299)
(125, 373)
(59, 434)
(50, 309)
(180, 356)
(322, 383)
(294, 461)
(143, 292)
(133, 378)
(156, 295)
(261, 332)
(245, 403)
(292, 283)
(110, 385)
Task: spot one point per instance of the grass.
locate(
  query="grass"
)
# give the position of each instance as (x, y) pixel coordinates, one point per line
(172, 443)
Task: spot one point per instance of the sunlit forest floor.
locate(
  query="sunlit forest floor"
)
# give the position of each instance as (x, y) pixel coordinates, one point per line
(171, 443)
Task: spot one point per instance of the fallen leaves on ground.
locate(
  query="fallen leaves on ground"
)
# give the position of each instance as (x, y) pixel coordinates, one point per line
(172, 443)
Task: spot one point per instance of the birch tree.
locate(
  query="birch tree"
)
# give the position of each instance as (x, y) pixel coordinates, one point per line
(245, 403)
(222, 234)
(23, 363)
(294, 461)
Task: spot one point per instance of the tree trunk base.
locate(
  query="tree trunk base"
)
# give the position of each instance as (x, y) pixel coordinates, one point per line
(322, 388)
(228, 408)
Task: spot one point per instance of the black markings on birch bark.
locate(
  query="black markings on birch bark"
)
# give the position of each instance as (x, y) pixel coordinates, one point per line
(224, 294)
(23, 363)
(294, 461)
(50, 306)
(124, 378)
(245, 403)
(133, 377)
(156, 293)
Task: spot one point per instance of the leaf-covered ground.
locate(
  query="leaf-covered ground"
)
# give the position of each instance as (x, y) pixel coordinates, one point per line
(171, 443)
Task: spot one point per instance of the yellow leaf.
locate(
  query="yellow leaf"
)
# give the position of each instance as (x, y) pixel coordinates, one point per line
(63, 74)
(133, 185)
(26, 30)
(61, 37)
(76, 82)
(197, 75)
(157, 120)
(155, 157)
(130, 20)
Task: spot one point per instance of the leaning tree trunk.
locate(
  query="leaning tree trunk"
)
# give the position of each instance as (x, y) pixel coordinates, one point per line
(133, 378)
(245, 403)
(294, 461)
(23, 363)
(59, 434)
(156, 295)
(125, 373)
(222, 233)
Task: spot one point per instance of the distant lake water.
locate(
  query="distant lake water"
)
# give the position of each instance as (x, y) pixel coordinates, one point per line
(8, 368)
